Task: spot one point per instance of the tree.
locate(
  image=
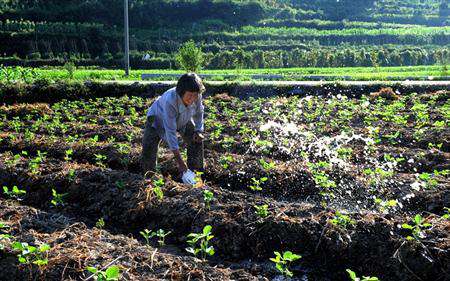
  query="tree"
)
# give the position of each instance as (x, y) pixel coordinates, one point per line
(190, 57)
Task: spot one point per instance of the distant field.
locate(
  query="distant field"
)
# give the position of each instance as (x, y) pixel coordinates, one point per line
(344, 73)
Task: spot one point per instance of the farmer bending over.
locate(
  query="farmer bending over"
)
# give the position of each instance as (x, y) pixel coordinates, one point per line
(179, 109)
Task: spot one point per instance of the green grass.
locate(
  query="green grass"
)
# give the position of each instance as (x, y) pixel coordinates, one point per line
(347, 73)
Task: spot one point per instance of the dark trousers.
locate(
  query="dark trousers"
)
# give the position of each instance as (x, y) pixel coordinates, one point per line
(151, 141)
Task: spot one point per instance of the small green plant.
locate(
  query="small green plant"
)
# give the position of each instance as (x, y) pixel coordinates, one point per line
(146, 234)
(262, 211)
(208, 196)
(342, 220)
(199, 243)
(417, 227)
(428, 179)
(353, 277)
(267, 166)
(225, 161)
(100, 160)
(15, 192)
(68, 155)
(446, 216)
(160, 233)
(120, 184)
(110, 274)
(385, 206)
(58, 198)
(283, 262)
(100, 223)
(35, 162)
(344, 152)
(157, 188)
(30, 254)
(256, 183)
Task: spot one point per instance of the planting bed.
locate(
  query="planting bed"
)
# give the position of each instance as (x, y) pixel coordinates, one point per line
(341, 178)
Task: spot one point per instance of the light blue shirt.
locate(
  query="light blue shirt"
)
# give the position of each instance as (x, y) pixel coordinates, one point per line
(171, 115)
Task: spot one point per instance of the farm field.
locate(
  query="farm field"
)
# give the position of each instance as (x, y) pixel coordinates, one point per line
(346, 183)
(436, 72)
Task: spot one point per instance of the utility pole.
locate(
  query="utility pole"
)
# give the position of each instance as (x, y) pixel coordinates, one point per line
(127, 39)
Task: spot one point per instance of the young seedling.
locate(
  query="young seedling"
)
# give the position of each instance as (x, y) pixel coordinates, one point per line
(120, 184)
(157, 188)
(342, 220)
(71, 174)
(446, 216)
(262, 211)
(353, 277)
(267, 166)
(30, 254)
(147, 234)
(35, 162)
(225, 161)
(15, 192)
(256, 185)
(199, 243)
(99, 160)
(58, 198)
(100, 223)
(208, 196)
(68, 155)
(428, 179)
(417, 228)
(283, 262)
(385, 206)
(112, 273)
(161, 234)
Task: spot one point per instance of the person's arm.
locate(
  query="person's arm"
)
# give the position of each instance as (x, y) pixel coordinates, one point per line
(170, 127)
(198, 116)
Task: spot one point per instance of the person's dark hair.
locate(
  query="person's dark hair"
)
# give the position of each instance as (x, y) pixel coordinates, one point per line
(189, 82)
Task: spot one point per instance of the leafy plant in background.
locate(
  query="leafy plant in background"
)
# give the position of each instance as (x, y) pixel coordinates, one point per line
(199, 243)
(417, 227)
(353, 277)
(110, 274)
(283, 262)
(190, 57)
